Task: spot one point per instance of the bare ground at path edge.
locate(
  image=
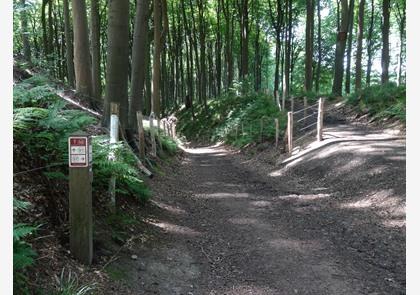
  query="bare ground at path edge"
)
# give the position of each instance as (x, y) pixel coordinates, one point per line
(332, 222)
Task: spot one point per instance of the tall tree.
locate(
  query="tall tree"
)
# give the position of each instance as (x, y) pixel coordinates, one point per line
(318, 64)
(117, 60)
(401, 19)
(370, 42)
(138, 68)
(385, 42)
(340, 49)
(361, 15)
(69, 44)
(82, 64)
(244, 28)
(96, 47)
(349, 46)
(309, 40)
(25, 31)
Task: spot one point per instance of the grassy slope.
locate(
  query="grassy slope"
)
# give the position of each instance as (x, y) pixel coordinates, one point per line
(226, 113)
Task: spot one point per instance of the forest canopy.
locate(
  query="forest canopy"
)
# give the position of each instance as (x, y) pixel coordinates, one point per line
(196, 50)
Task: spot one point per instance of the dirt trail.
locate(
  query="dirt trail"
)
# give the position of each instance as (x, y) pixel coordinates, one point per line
(330, 221)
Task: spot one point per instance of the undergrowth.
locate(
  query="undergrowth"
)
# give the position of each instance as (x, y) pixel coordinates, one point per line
(381, 101)
(23, 254)
(226, 115)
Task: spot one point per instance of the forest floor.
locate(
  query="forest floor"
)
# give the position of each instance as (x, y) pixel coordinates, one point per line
(328, 220)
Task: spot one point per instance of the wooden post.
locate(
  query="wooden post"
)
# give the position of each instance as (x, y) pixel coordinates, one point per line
(242, 128)
(173, 130)
(158, 134)
(80, 197)
(261, 129)
(113, 132)
(305, 111)
(276, 123)
(152, 133)
(290, 131)
(142, 141)
(236, 132)
(320, 124)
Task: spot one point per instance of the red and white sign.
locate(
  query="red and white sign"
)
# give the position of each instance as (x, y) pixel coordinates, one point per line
(78, 152)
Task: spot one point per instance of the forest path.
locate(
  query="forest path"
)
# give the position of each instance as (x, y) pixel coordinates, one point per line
(329, 221)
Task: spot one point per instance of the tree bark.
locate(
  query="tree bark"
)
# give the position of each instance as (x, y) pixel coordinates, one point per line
(69, 44)
(349, 46)
(25, 32)
(318, 64)
(361, 15)
(385, 42)
(370, 43)
(309, 44)
(157, 23)
(96, 54)
(138, 68)
(340, 49)
(82, 64)
(116, 87)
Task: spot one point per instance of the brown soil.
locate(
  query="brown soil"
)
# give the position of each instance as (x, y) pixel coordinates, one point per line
(330, 220)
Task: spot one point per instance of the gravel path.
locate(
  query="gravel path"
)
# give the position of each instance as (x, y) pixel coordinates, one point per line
(329, 221)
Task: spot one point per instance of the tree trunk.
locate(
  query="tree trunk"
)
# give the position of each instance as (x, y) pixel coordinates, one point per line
(138, 68)
(288, 52)
(385, 42)
(116, 87)
(370, 43)
(81, 49)
(401, 23)
(25, 32)
(309, 44)
(361, 15)
(69, 44)
(218, 51)
(340, 49)
(349, 46)
(318, 64)
(96, 54)
(157, 23)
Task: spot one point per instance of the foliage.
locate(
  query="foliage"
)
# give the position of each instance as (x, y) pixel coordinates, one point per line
(124, 167)
(42, 124)
(227, 113)
(23, 254)
(381, 100)
(69, 285)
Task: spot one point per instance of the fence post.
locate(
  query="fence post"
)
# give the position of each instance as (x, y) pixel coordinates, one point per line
(152, 133)
(113, 132)
(80, 197)
(173, 129)
(141, 135)
(276, 123)
(261, 129)
(290, 131)
(305, 111)
(236, 132)
(242, 128)
(320, 124)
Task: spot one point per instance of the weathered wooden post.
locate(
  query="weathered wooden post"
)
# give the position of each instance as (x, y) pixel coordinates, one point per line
(158, 134)
(173, 129)
(113, 132)
(276, 123)
(261, 129)
(152, 133)
(142, 142)
(290, 131)
(305, 111)
(236, 132)
(320, 124)
(80, 196)
(242, 128)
